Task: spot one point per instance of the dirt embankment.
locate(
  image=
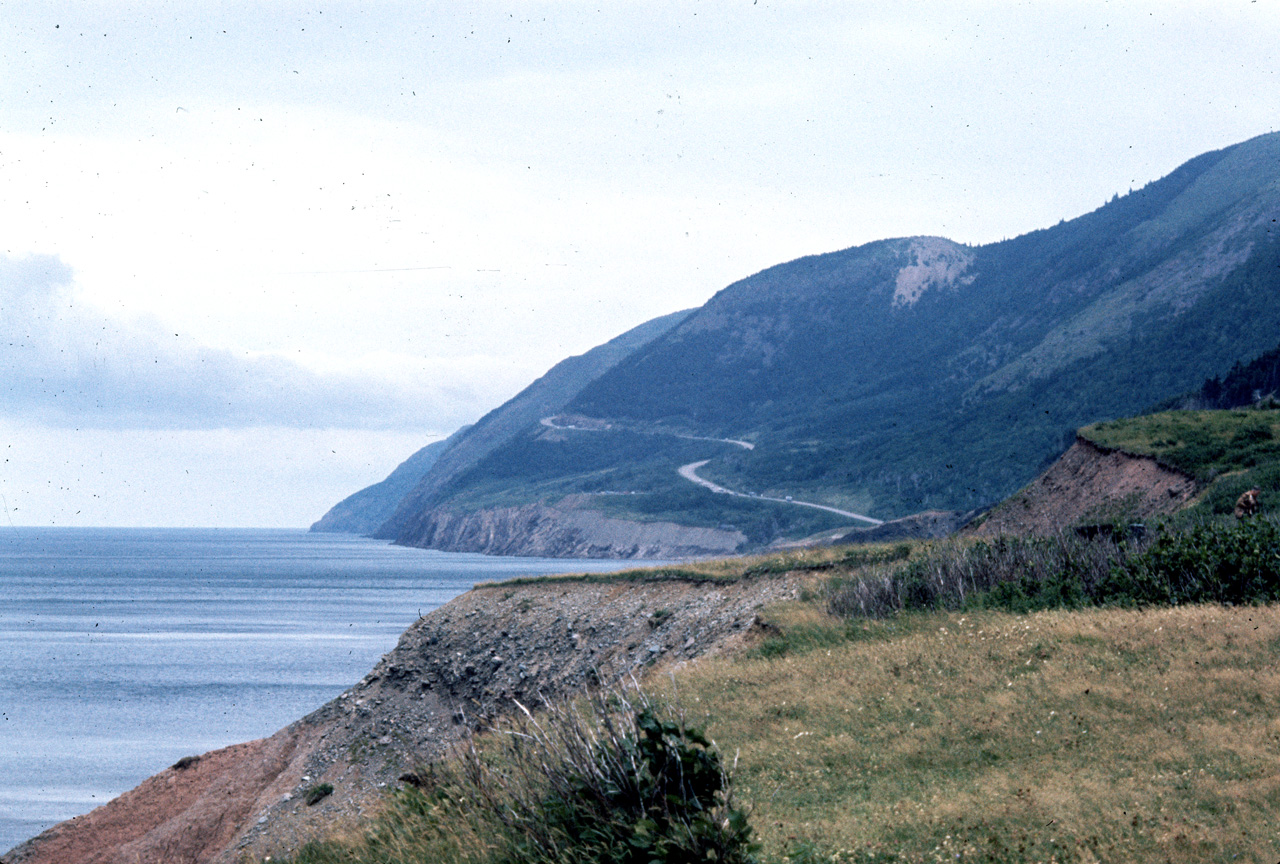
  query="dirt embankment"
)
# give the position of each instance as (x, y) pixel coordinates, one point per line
(1090, 484)
(565, 532)
(452, 670)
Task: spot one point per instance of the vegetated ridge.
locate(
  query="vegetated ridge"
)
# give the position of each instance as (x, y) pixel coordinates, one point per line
(896, 377)
(1153, 465)
(471, 443)
(364, 511)
(1090, 484)
(548, 395)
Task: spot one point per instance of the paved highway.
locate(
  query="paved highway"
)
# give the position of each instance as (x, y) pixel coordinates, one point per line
(690, 473)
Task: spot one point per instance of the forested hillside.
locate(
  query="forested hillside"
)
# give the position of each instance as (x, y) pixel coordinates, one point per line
(900, 375)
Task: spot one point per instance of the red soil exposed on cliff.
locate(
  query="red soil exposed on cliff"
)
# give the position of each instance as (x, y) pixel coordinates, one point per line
(1090, 483)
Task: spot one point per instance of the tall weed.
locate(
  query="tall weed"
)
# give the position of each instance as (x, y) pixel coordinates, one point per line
(617, 779)
(1223, 561)
(1016, 573)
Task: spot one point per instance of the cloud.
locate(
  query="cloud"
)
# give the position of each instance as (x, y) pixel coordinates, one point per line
(65, 364)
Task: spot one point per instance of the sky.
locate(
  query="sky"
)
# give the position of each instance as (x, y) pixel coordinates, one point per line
(254, 255)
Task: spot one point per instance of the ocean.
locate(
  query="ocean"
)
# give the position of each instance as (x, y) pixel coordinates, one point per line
(123, 650)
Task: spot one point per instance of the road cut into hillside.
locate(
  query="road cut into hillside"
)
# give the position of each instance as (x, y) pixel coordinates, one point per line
(690, 473)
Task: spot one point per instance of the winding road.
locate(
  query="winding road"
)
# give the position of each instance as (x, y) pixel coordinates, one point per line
(550, 423)
(690, 471)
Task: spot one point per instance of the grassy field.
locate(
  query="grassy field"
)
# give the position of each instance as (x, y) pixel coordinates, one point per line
(1096, 735)
(819, 560)
(1101, 735)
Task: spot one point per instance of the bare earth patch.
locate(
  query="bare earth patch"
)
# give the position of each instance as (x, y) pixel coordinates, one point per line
(1090, 482)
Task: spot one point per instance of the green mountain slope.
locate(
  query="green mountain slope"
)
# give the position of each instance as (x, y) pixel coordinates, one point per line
(548, 395)
(1243, 385)
(362, 512)
(918, 373)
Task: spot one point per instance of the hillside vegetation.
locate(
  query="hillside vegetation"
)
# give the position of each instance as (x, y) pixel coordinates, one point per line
(901, 375)
(547, 395)
(1227, 451)
(1244, 385)
(1107, 735)
(1100, 735)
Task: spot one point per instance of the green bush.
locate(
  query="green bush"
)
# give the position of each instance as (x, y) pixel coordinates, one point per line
(317, 793)
(1222, 561)
(654, 794)
(623, 782)
(1215, 562)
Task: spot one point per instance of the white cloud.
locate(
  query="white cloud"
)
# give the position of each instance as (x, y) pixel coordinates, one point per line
(265, 477)
(65, 363)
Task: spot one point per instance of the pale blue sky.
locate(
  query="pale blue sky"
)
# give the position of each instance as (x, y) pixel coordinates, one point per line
(280, 246)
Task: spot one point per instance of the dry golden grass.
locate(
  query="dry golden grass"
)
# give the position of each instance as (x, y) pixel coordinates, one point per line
(1100, 735)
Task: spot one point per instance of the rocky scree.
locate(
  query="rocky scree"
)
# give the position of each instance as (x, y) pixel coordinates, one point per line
(454, 671)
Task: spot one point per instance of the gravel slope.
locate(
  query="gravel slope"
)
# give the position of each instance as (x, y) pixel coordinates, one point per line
(453, 671)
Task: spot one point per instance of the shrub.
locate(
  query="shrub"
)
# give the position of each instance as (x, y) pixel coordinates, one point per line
(627, 784)
(621, 781)
(1222, 561)
(1213, 562)
(317, 793)
(658, 618)
(1015, 573)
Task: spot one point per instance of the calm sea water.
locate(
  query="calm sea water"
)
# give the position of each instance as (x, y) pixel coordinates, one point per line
(122, 650)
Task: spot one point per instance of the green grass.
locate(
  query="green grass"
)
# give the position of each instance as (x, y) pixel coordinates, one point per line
(820, 560)
(1095, 735)
(1064, 736)
(1204, 444)
(1228, 452)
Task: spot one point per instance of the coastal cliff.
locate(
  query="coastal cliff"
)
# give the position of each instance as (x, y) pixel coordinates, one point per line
(451, 672)
(560, 532)
(1091, 483)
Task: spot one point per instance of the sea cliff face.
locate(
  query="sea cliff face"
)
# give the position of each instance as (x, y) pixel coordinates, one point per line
(453, 671)
(553, 532)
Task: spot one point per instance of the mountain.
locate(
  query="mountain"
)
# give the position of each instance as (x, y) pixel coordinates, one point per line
(1244, 384)
(469, 445)
(362, 512)
(894, 377)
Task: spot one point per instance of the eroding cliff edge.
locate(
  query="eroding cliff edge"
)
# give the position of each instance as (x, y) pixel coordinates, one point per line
(452, 671)
(1090, 483)
(566, 532)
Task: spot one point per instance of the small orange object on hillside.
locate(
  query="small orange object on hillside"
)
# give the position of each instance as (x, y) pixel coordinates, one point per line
(1247, 504)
